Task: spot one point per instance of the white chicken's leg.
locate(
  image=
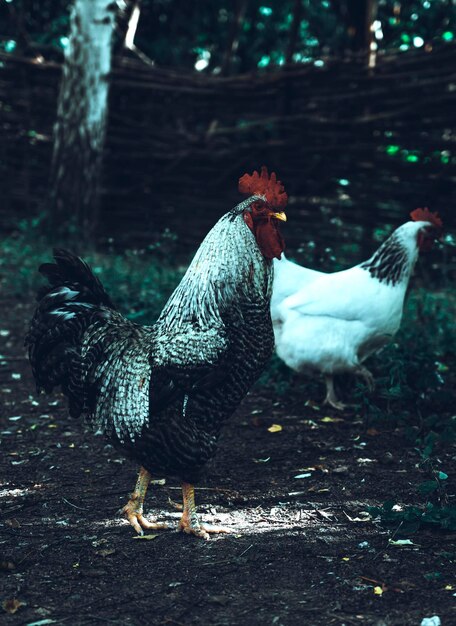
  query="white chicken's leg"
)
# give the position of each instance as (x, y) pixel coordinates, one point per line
(367, 376)
(331, 397)
(189, 522)
(133, 510)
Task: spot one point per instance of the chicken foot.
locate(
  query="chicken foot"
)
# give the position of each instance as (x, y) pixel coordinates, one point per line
(331, 397)
(189, 522)
(367, 376)
(133, 510)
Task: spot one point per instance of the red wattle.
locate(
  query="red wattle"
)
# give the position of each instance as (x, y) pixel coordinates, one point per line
(269, 239)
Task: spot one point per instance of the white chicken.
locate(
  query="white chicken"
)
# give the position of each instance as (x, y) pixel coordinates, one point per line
(331, 323)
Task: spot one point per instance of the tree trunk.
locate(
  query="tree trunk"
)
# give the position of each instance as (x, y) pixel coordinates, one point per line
(80, 129)
(358, 16)
(233, 37)
(294, 31)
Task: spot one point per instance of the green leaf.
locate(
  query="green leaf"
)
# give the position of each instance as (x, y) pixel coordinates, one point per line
(428, 486)
(433, 575)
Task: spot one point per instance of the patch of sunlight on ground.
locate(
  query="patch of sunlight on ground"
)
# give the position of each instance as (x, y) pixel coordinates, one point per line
(15, 493)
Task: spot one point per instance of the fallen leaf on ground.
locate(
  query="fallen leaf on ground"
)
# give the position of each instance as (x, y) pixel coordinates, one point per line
(378, 591)
(401, 542)
(365, 517)
(220, 600)
(106, 552)
(325, 515)
(11, 606)
(146, 537)
(310, 423)
(328, 419)
(275, 428)
(12, 523)
(342, 469)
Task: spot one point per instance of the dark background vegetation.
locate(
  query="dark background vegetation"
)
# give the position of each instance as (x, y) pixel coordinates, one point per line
(222, 88)
(357, 148)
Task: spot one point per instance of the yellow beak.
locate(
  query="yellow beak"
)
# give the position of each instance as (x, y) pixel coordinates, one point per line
(280, 216)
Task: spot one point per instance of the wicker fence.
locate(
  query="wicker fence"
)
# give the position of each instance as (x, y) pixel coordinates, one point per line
(357, 149)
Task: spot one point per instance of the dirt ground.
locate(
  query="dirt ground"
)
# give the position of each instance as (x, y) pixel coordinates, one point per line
(302, 549)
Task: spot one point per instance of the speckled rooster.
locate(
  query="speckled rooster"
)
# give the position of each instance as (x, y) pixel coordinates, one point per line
(162, 393)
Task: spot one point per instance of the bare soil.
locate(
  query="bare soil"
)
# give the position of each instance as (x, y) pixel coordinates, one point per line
(301, 551)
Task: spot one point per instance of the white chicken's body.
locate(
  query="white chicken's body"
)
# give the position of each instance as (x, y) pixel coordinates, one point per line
(337, 320)
(331, 323)
(289, 278)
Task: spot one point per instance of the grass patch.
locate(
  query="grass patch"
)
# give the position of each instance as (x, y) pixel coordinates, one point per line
(139, 281)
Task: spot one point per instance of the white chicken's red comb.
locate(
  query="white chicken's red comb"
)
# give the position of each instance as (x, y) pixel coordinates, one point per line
(262, 185)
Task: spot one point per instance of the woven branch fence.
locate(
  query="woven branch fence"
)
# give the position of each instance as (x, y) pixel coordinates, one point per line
(357, 149)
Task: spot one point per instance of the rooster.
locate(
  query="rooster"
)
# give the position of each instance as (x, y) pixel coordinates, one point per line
(331, 323)
(162, 393)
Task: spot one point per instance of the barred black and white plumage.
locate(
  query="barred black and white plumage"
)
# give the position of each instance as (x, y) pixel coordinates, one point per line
(160, 393)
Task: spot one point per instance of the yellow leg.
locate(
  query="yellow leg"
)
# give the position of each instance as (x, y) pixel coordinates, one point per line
(189, 522)
(133, 510)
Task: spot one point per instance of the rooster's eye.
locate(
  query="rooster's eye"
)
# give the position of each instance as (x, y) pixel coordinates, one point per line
(258, 205)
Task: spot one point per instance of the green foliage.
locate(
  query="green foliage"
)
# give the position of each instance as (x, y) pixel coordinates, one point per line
(412, 155)
(139, 281)
(413, 374)
(412, 518)
(22, 253)
(278, 377)
(201, 33)
(437, 515)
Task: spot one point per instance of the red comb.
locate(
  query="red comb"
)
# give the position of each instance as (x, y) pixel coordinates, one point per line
(424, 215)
(262, 185)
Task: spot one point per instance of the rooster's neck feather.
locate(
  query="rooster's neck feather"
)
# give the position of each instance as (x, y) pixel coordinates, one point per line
(227, 266)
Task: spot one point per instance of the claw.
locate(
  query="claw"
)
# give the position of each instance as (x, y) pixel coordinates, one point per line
(137, 519)
(331, 397)
(368, 378)
(133, 510)
(189, 522)
(336, 404)
(175, 505)
(203, 531)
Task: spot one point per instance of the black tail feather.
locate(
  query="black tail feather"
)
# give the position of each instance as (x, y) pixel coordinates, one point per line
(74, 300)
